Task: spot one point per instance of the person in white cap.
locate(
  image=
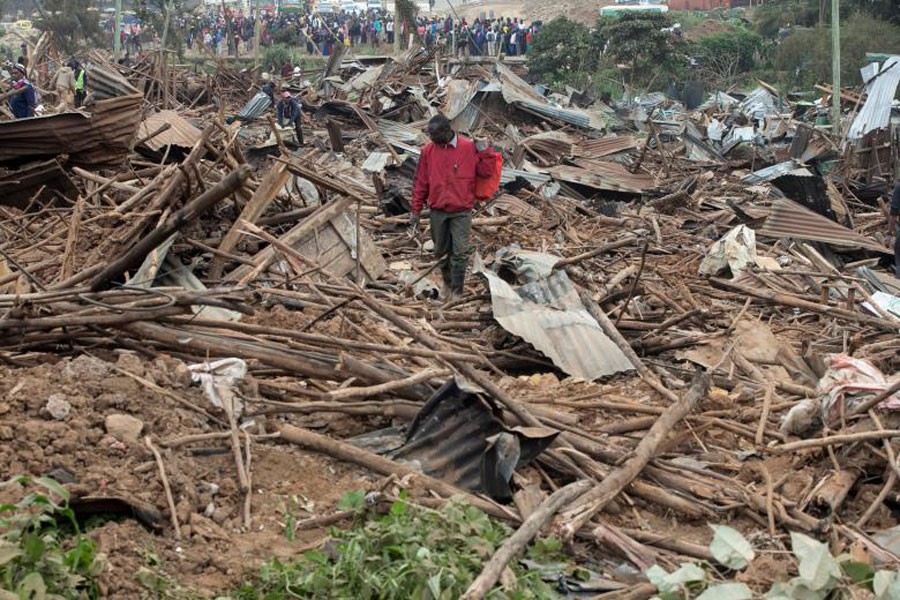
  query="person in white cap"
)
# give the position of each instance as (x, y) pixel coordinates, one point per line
(23, 100)
(289, 112)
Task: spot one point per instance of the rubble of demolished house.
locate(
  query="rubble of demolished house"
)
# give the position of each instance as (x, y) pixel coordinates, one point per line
(694, 311)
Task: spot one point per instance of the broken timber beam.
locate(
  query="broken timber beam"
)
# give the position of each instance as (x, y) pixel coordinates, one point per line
(136, 255)
(267, 191)
(595, 500)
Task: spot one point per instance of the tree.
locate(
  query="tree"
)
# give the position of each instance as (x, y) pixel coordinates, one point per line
(70, 22)
(724, 56)
(643, 43)
(561, 50)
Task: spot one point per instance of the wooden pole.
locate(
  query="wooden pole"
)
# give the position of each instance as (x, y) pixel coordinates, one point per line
(193, 209)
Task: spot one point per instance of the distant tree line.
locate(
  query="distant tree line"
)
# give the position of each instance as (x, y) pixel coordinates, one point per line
(785, 43)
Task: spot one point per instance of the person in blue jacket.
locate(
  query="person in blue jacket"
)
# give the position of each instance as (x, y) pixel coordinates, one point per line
(23, 99)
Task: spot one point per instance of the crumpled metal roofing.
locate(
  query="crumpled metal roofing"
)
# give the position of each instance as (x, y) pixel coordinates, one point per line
(459, 437)
(102, 137)
(605, 146)
(876, 112)
(549, 315)
(180, 132)
(791, 220)
(516, 91)
(788, 167)
(604, 175)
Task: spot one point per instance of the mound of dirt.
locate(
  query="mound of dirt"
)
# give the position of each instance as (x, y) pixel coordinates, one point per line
(69, 441)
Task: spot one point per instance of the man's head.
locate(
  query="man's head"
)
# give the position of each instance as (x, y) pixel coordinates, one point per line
(18, 71)
(439, 130)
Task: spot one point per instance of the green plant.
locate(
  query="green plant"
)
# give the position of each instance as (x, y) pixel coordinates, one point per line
(724, 56)
(276, 55)
(409, 553)
(561, 49)
(806, 53)
(37, 559)
(820, 575)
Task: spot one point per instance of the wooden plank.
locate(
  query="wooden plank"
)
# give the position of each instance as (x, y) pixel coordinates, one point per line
(268, 189)
(245, 273)
(372, 262)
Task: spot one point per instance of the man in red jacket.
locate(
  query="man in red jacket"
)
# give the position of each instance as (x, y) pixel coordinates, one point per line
(445, 182)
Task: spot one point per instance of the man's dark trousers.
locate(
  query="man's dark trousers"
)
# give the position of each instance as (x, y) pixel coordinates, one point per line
(451, 233)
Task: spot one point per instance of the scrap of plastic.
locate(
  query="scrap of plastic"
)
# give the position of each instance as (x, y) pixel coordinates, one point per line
(218, 379)
(736, 250)
(850, 382)
(847, 383)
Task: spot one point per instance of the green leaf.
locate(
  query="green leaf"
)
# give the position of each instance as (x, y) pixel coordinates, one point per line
(727, 591)
(818, 569)
(860, 573)
(53, 486)
(352, 500)
(672, 584)
(656, 575)
(730, 548)
(398, 508)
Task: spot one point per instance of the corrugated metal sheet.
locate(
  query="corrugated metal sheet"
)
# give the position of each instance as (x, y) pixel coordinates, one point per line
(105, 84)
(603, 175)
(605, 146)
(398, 132)
(101, 138)
(876, 112)
(459, 94)
(548, 314)
(509, 175)
(459, 438)
(516, 91)
(180, 131)
(788, 167)
(517, 207)
(791, 220)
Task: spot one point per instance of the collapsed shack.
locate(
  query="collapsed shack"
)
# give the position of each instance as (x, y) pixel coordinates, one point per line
(630, 248)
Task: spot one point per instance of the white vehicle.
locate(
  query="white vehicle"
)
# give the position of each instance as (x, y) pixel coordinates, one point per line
(374, 5)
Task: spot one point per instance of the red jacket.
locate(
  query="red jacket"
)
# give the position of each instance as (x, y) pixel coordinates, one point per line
(445, 177)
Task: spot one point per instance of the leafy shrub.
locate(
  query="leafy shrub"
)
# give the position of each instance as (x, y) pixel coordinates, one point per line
(408, 553)
(37, 559)
(561, 49)
(723, 56)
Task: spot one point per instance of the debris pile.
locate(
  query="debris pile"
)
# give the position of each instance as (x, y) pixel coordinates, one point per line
(631, 248)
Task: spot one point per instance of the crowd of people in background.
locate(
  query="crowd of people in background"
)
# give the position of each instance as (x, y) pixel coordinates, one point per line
(231, 32)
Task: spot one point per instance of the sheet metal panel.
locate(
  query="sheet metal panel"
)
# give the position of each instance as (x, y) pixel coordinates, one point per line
(549, 315)
(791, 220)
(876, 112)
(604, 175)
(102, 137)
(605, 146)
(180, 132)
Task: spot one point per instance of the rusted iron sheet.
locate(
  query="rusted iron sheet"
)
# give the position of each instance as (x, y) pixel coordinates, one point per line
(517, 207)
(180, 132)
(17, 187)
(604, 175)
(101, 138)
(791, 220)
(605, 146)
